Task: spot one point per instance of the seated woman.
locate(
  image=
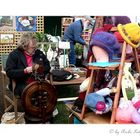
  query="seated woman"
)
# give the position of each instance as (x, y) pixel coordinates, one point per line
(20, 62)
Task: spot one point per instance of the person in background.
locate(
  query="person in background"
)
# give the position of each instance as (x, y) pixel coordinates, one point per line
(20, 63)
(73, 34)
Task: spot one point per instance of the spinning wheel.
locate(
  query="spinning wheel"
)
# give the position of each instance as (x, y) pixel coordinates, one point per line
(39, 100)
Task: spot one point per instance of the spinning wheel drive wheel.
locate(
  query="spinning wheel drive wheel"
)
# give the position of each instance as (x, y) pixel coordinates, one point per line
(39, 99)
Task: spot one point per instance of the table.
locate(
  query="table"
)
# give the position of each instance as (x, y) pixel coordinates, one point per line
(79, 70)
(70, 82)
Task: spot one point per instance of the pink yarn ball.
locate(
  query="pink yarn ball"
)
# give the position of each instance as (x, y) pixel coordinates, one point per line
(100, 106)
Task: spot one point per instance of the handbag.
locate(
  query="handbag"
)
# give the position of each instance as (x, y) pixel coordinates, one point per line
(61, 75)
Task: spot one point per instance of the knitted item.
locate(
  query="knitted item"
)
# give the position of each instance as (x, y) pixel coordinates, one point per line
(106, 41)
(137, 104)
(99, 104)
(130, 33)
(136, 117)
(119, 37)
(84, 85)
(124, 111)
(121, 20)
(105, 28)
(82, 95)
(104, 92)
(93, 100)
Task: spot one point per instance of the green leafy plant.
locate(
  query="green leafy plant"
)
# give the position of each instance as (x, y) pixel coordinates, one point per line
(78, 49)
(42, 41)
(41, 37)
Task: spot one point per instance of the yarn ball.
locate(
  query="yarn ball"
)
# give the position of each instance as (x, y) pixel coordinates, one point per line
(100, 106)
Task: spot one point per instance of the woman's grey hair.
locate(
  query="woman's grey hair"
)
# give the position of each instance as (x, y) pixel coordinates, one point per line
(25, 40)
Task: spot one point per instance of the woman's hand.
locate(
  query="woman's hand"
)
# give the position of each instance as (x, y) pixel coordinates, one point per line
(28, 70)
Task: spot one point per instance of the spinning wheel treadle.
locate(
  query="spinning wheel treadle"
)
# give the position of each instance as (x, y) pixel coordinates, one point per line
(39, 100)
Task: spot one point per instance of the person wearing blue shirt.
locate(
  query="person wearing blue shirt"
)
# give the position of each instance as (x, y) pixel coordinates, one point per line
(73, 34)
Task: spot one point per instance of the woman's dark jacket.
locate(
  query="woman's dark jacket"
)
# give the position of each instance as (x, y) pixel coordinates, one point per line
(16, 63)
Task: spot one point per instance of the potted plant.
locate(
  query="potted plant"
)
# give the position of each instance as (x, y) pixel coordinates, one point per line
(79, 50)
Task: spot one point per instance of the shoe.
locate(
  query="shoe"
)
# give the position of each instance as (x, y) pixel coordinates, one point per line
(76, 109)
(55, 112)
